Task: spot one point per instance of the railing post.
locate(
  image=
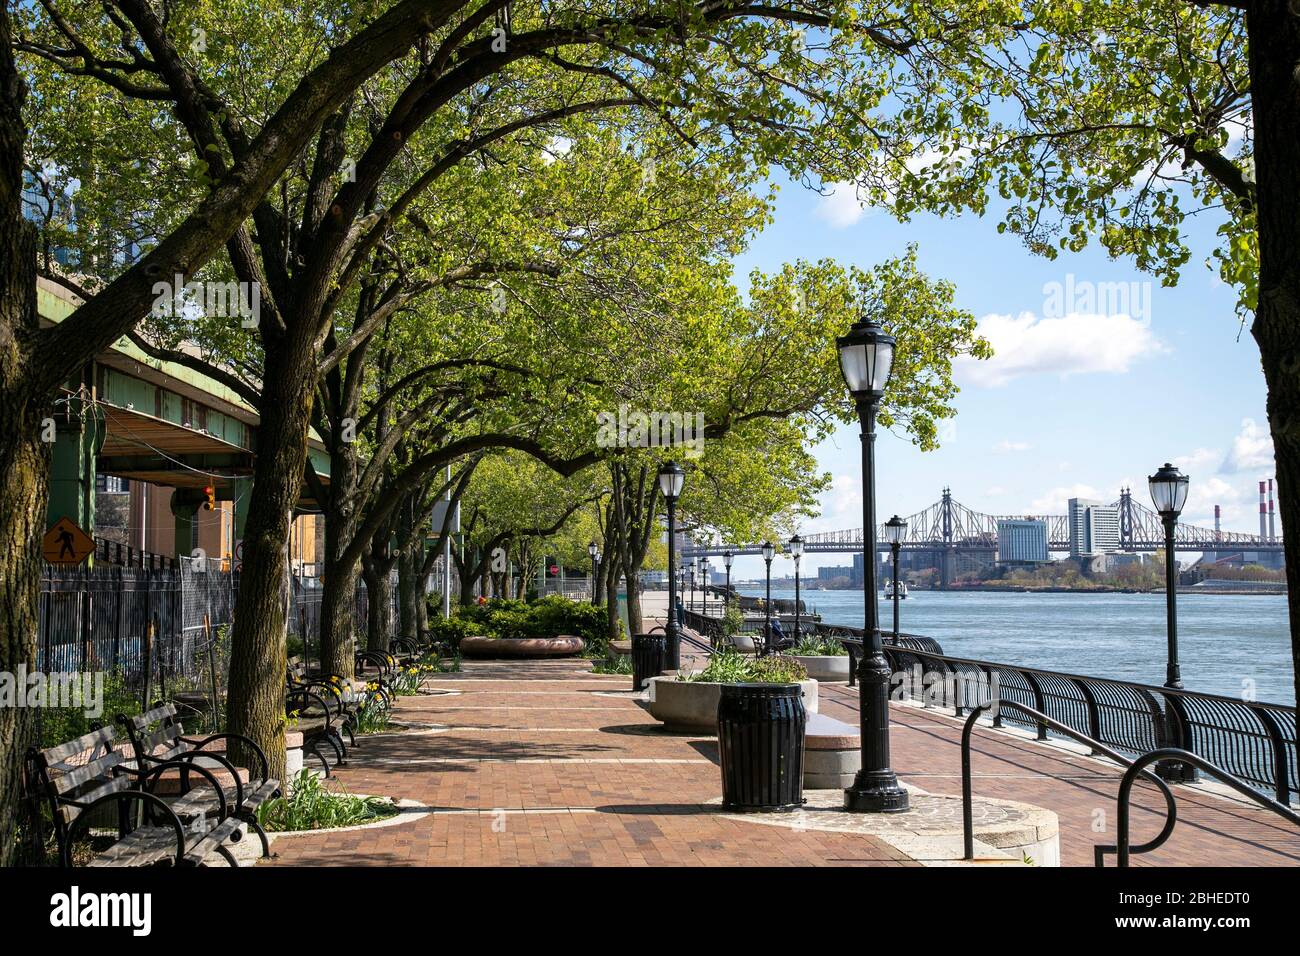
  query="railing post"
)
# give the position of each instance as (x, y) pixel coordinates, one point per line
(1094, 712)
(1281, 768)
(1181, 738)
(1040, 702)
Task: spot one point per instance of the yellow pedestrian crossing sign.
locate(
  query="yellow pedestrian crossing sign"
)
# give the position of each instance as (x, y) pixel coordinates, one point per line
(65, 543)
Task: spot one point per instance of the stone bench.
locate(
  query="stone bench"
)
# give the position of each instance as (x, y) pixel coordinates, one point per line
(832, 753)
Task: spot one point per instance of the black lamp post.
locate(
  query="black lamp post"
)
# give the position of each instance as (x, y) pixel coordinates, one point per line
(691, 575)
(769, 551)
(796, 552)
(1169, 494)
(704, 585)
(726, 563)
(595, 557)
(866, 355)
(895, 528)
(671, 478)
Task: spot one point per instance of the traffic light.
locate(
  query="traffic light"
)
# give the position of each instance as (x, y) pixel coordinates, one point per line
(211, 503)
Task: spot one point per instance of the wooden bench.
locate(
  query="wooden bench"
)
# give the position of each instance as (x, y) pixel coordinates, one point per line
(82, 778)
(832, 753)
(317, 705)
(235, 794)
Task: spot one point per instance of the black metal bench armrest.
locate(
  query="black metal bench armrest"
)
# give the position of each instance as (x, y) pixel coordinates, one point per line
(199, 744)
(87, 814)
(306, 694)
(185, 764)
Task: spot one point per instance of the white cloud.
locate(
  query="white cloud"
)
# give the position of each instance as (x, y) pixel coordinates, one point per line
(1056, 501)
(995, 491)
(1007, 445)
(841, 506)
(1072, 345)
(1252, 450)
(1201, 460)
(840, 206)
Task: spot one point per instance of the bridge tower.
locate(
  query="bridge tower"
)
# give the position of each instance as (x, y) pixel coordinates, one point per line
(1126, 519)
(948, 553)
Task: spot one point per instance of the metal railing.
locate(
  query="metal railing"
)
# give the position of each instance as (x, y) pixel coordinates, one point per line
(1133, 769)
(1099, 852)
(1252, 740)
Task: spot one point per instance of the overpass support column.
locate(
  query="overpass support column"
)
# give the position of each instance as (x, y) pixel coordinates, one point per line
(75, 436)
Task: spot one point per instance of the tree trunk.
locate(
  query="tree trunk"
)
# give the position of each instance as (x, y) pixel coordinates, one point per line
(408, 592)
(24, 458)
(338, 597)
(379, 597)
(257, 636)
(1274, 35)
(611, 596)
(634, 619)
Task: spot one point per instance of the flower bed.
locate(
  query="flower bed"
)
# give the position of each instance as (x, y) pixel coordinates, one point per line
(688, 703)
(548, 619)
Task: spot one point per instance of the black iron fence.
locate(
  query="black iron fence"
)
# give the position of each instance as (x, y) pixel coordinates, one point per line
(159, 625)
(1255, 741)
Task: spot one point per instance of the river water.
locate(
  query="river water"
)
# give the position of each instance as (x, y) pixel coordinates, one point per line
(1228, 644)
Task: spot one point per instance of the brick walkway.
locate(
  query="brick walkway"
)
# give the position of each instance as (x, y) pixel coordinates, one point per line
(547, 764)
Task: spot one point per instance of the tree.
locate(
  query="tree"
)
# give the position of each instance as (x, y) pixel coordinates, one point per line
(1116, 122)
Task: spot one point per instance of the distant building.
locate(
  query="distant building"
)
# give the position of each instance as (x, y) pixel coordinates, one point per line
(1022, 541)
(831, 574)
(1094, 527)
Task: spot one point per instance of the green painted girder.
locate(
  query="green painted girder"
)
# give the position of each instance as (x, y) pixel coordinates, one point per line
(116, 387)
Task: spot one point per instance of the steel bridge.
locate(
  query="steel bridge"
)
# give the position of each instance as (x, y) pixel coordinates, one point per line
(949, 526)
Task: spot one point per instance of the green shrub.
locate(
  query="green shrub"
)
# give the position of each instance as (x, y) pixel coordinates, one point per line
(60, 724)
(812, 646)
(548, 617)
(312, 807)
(732, 667)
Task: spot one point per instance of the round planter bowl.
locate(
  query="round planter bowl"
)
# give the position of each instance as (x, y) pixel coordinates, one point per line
(822, 667)
(687, 706)
(563, 646)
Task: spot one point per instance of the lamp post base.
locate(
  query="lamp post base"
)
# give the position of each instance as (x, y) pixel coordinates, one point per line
(876, 791)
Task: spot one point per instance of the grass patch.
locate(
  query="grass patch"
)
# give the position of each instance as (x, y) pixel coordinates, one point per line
(313, 807)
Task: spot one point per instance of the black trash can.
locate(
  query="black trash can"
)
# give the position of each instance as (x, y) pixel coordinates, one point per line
(760, 741)
(649, 657)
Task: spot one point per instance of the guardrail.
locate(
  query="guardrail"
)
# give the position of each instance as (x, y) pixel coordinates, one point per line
(1252, 740)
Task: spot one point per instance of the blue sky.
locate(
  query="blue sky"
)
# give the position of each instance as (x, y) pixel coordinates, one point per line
(1072, 404)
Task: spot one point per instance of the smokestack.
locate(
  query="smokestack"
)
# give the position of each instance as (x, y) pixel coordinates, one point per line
(1271, 527)
(1263, 513)
(1217, 534)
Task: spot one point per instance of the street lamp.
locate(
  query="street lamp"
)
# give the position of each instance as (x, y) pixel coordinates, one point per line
(726, 562)
(866, 355)
(769, 551)
(671, 478)
(693, 571)
(1169, 494)
(704, 585)
(796, 552)
(895, 528)
(595, 557)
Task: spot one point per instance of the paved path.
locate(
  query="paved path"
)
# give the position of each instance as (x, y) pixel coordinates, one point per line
(537, 767)
(547, 764)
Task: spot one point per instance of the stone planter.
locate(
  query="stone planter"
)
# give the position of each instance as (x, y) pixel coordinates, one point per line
(692, 706)
(565, 645)
(822, 667)
(293, 762)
